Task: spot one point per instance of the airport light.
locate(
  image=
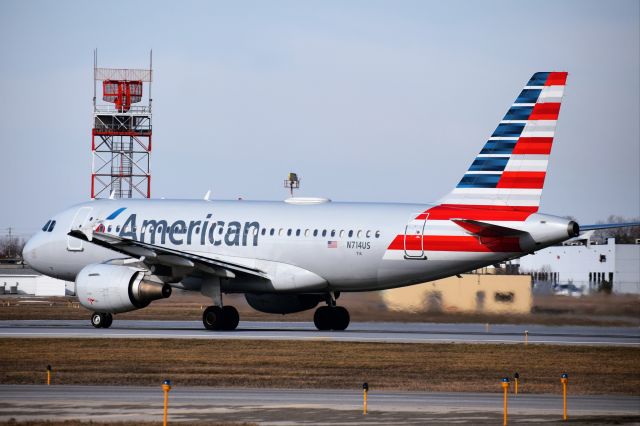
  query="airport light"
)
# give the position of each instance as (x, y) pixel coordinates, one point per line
(48, 375)
(166, 387)
(516, 378)
(505, 389)
(564, 379)
(526, 337)
(365, 389)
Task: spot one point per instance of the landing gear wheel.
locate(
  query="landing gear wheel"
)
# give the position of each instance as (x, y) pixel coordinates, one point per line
(101, 320)
(230, 318)
(322, 318)
(331, 318)
(340, 318)
(212, 318)
(108, 320)
(96, 320)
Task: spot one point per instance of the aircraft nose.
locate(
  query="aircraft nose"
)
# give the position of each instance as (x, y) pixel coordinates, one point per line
(32, 251)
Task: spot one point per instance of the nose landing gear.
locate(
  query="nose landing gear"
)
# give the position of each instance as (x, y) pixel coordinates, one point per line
(101, 320)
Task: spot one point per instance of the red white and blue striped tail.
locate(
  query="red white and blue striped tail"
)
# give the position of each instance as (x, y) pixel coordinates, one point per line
(510, 169)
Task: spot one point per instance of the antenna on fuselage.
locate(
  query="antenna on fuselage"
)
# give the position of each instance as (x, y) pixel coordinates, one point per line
(292, 182)
(207, 195)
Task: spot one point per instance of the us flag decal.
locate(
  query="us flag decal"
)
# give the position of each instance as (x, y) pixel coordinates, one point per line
(332, 244)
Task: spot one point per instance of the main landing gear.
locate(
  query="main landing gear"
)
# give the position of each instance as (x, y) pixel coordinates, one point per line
(101, 320)
(331, 317)
(220, 318)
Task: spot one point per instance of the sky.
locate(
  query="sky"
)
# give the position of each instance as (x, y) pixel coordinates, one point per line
(384, 101)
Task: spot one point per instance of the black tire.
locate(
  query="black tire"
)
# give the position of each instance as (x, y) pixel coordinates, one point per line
(212, 318)
(97, 320)
(230, 318)
(322, 317)
(340, 318)
(108, 320)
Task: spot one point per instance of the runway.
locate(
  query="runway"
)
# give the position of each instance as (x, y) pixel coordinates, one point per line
(275, 406)
(357, 332)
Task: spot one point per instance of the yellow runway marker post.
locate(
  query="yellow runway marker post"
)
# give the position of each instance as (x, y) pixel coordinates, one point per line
(564, 379)
(505, 388)
(365, 389)
(166, 387)
(526, 337)
(48, 375)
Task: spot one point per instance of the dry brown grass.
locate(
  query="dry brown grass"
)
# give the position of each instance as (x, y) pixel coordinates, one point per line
(93, 423)
(423, 367)
(605, 310)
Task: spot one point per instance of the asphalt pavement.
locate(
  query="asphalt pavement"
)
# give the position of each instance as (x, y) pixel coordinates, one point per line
(357, 332)
(286, 406)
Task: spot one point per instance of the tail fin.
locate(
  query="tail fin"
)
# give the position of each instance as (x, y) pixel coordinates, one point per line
(510, 169)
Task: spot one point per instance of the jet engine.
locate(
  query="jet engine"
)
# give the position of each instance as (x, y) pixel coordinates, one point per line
(283, 303)
(115, 288)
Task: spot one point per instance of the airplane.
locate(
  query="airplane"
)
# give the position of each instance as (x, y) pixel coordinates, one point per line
(290, 256)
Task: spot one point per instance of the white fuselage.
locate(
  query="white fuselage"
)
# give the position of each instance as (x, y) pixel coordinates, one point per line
(302, 248)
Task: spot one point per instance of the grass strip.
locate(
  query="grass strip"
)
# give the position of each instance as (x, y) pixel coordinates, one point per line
(304, 364)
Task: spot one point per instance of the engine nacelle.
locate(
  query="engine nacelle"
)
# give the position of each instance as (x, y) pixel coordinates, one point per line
(283, 303)
(115, 288)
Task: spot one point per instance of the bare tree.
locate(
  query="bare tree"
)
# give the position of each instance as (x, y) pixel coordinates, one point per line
(627, 235)
(11, 247)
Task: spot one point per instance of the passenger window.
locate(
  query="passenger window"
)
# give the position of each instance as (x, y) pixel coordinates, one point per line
(281, 232)
(333, 232)
(350, 233)
(324, 232)
(341, 233)
(297, 232)
(53, 224)
(368, 234)
(289, 232)
(273, 231)
(109, 228)
(46, 226)
(377, 234)
(306, 232)
(315, 232)
(264, 231)
(359, 234)
(118, 228)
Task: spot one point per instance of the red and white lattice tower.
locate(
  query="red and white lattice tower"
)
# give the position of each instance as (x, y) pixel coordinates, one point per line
(121, 135)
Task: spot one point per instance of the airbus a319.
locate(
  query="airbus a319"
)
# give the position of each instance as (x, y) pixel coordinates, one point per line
(290, 256)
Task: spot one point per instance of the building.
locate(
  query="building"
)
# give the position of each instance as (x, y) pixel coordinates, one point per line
(21, 280)
(486, 293)
(587, 266)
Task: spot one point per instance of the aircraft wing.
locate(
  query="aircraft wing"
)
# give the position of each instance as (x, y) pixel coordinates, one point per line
(484, 229)
(608, 226)
(165, 256)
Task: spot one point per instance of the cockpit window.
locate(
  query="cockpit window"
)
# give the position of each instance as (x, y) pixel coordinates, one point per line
(53, 224)
(46, 226)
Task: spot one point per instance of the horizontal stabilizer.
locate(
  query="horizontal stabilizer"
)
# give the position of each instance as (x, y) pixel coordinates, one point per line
(608, 226)
(484, 229)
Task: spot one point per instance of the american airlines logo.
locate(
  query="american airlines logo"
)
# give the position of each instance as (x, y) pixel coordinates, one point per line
(203, 232)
